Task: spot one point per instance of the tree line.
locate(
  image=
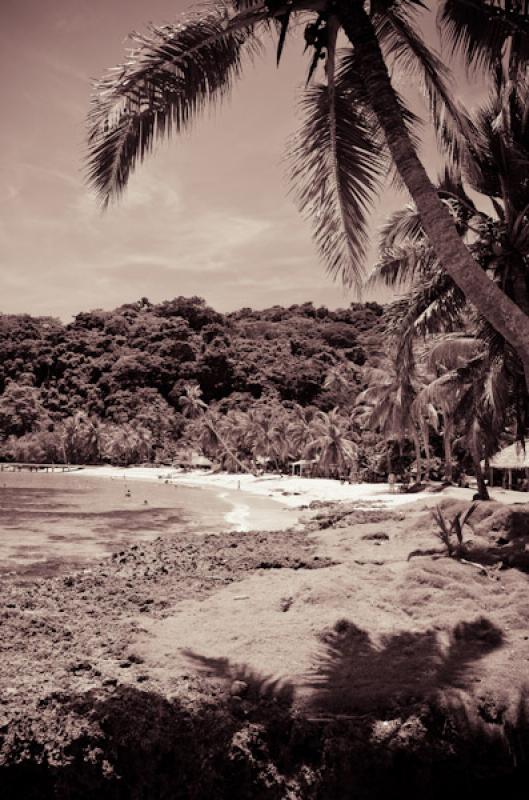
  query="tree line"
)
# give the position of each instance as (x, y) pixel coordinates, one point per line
(117, 385)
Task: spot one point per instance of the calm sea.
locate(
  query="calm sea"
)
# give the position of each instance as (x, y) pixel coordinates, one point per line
(50, 522)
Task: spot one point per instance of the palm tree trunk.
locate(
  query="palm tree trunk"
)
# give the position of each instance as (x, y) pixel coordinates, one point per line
(447, 444)
(417, 443)
(495, 306)
(427, 453)
(230, 452)
(482, 486)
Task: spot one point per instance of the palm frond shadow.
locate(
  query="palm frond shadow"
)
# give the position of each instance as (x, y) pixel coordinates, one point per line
(354, 676)
(258, 686)
(131, 744)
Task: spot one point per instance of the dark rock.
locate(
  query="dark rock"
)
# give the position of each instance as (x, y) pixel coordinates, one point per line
(378, 536)
(80, 666)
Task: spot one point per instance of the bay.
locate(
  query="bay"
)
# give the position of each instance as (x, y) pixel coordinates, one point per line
(51, 523)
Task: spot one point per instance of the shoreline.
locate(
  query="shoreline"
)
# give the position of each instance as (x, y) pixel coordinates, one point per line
(294, 492)
(247, 513)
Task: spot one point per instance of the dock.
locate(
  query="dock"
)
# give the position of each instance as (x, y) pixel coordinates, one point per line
(9, 466)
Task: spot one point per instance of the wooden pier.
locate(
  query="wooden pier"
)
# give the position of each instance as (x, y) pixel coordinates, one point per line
(8, 466)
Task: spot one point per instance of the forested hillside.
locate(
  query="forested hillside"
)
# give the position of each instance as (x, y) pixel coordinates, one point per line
(115, 385)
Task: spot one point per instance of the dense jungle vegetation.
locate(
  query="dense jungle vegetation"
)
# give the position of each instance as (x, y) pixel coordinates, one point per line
(132, 385)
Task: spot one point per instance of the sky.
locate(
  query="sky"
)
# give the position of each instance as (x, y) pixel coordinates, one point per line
(207, 214)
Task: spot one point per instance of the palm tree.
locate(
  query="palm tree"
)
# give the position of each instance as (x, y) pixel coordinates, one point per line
(299, 430)
(340, 381)
(81, 439)
(484, 30)
(207, 429)
(468, 398)
(126, 444)
(496, 166)
(387, 406)
(259, 434)
(212, 433)
(191, 401)
(331, 442)
(441, 394)
(355, 120)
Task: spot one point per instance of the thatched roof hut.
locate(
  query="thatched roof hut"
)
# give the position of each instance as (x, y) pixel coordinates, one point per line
(192, 461)
(512, 457)
(511, 460)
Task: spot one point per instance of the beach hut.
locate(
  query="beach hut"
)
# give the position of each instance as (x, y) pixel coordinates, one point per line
(192, 461)
(200, 462)
(512, 463)
(303, 464)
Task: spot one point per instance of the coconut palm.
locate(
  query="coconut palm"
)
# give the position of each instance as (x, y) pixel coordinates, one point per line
(211, 431)
(468, 398)
(483, 30)
(356, 123)
(191, 401)
(260, 434)
(125, 444)
(441, 394)
(331, 442)
(386, 406)
(299, 430)
(496, 166)
(340, 381)
(80, 437)
(207, 430)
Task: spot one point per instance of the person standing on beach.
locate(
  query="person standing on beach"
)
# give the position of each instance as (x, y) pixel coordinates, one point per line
(391, 481)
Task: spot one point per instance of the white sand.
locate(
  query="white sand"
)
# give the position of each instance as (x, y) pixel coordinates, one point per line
(294, 492)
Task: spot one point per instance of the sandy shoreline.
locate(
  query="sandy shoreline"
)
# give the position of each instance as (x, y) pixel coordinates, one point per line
(249, 511)
(293, 492)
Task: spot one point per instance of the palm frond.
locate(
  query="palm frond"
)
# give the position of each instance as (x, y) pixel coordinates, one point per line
(500, 147)
(435, 305)
(452, 351)
(497, 157)
(337, 165)
(403, 226)
(167, 80)
(426, 413)
(284, 21)
(451, 189)
(440, 392)
(409, 52)
(495, 391)
(350, 78)
(479, 29)
(400, 267)
(464, 516)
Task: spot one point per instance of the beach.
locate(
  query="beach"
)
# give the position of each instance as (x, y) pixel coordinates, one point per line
(352, 632)
(293, 491)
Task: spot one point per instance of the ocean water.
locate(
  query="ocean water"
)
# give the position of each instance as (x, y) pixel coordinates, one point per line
(51, 522)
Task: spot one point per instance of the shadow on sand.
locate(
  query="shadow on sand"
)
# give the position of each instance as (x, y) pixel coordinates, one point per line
(352, 675)
(251, 743)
